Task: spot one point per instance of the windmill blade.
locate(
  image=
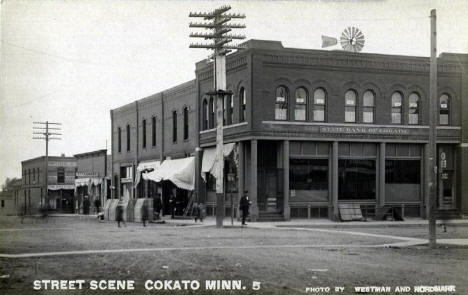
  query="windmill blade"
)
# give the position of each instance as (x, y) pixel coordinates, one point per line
(328, 41)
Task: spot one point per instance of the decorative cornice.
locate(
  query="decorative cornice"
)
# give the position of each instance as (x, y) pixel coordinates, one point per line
(360, 62)
(231, 65)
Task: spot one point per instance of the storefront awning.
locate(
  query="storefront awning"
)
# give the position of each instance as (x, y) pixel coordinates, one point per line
(209, 159)
(181, 172)
(82, 182)
(142, 166)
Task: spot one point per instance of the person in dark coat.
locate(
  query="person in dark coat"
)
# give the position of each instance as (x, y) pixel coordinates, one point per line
(157, 205)
(86, 205)
(97, 205)
(244, 207)
(144, 213)
(172, 205)
(119, 214)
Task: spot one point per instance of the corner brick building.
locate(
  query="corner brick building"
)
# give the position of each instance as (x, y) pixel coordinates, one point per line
(312, 130)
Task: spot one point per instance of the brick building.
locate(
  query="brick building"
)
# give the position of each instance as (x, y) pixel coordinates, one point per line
(92, 179)
(61, 184)
(311, 130)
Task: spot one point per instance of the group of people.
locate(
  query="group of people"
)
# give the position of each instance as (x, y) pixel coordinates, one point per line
(198, 210)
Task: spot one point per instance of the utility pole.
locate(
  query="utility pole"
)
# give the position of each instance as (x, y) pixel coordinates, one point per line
(432, 198)
(218, 23)
(43, 128)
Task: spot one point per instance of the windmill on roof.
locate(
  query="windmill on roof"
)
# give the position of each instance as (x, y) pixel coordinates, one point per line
(352, 39)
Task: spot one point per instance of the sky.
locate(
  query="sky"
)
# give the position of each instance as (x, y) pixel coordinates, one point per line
(73, 61)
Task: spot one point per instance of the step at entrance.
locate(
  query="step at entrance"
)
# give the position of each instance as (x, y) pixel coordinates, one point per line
(270, 216)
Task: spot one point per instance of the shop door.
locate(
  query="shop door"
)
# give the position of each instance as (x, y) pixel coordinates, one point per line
(446, 190)
(270, 190)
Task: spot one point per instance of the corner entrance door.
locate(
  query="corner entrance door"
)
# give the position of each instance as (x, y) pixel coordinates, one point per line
(446, 190)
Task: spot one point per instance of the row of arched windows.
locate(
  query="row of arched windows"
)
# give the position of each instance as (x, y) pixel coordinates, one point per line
(209, 109)
(351, 106)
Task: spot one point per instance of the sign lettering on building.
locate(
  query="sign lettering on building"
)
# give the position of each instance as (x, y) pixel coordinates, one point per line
(61, 164)
(86, 174)
(364, 130)
(61, 186)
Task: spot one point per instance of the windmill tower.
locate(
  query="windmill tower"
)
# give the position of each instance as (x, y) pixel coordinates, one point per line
(352, 39)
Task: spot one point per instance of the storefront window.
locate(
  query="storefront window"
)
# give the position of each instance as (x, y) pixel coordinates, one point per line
(356, 179)
(396, 108)
(281, 103)
(308, 174)
(402, 171)
(444, 110)
(301, 105)
(368, 107)
(350, 106)
(319, 105)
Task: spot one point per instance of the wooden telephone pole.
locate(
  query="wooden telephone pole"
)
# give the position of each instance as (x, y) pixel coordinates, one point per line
(432, 171)
(43, 128)
(218, 23)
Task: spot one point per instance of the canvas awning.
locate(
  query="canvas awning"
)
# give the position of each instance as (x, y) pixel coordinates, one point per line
(82, 182)
(181, 172)
(145, 166)
(209, 159)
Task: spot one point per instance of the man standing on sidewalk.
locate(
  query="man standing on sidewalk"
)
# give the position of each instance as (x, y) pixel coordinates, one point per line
(244, 207)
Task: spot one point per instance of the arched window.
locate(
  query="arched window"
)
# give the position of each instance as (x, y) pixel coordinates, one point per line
(242, 105)
(444, 110)
(212, 108)
(319, 105)
(186, 123)
(119, 139)
(128, 138)
(174, 126)
(281, 103)
(413, 109)
(396, 107)
(350, 106)
(205, 115)
(300, 113)
(368, 107)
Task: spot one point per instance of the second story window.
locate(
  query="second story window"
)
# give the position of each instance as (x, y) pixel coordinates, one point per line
(301, 104)
(444, 110)
(242, 105)
(174, 126)
(186, 123)
(368, 107)
(205, 114)
(413, 109)
(143, 130)
(396, 107)
(319, 105)
(128, 138)
(212, 109)
(119, 139)
(350, 106)
(225, 110)
(60, 175)
(230, 109)
(281, 103)
(153, 131)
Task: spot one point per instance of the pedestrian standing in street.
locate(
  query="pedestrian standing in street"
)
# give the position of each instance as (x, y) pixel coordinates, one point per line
(244, 207)
(119, 214)
(144, 213)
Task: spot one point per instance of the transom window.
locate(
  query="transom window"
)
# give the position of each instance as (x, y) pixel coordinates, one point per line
(368, 107)
(350, 106)
(444, 110)
(301, 104)
(319, 105)
(281, 103)
(396, 107)
(413, 109)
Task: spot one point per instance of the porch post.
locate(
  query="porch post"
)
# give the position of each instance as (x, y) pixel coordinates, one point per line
(240, 174)
(426, 179)
(253, 180)
(381, 196)
(198, 174)
(287, 210)
(336, 215)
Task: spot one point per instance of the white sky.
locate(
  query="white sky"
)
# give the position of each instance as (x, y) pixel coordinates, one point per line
(73, 61)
